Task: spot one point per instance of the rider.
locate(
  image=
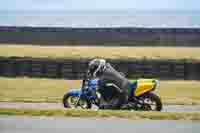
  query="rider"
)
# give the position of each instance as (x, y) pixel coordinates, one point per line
(113, 86)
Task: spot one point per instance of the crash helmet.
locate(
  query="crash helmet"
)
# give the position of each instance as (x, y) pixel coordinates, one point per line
(96, 66)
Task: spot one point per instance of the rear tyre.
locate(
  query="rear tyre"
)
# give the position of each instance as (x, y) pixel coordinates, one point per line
(69, 101)
(152, 102)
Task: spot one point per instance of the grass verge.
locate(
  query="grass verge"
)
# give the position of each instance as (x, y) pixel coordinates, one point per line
(101, 52)
(101, 113)
(52, 90)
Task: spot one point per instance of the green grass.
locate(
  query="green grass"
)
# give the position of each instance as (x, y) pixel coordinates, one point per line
(101, 113)
(34, 89)
(52, 90)
(103, 52)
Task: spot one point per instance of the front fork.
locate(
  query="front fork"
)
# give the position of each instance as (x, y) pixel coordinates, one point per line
(77, 102)
(95, 100)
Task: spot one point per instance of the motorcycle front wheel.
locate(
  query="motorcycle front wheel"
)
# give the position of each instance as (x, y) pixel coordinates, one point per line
(69, 101)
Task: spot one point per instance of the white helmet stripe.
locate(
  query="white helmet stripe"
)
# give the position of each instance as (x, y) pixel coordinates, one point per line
(102, 63)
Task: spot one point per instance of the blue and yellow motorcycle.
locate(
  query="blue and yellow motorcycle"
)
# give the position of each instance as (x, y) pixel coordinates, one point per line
(141, 96)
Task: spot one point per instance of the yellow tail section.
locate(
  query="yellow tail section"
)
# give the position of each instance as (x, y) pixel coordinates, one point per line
(144, 85)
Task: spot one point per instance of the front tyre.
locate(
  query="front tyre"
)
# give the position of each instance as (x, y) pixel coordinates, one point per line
(152, 102)
(69, 101)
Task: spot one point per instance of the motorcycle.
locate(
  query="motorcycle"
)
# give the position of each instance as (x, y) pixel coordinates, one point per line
(141, 96)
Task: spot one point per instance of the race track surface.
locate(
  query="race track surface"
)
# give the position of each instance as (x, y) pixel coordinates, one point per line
(23, 124)
(166, 108)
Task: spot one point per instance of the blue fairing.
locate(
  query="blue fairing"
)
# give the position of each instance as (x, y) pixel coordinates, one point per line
(93, 83)
(74, 92)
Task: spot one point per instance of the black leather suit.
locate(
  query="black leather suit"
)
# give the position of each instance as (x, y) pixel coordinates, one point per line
(113, 87)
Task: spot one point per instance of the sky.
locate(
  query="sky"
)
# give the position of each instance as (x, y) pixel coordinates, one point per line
(99, 4)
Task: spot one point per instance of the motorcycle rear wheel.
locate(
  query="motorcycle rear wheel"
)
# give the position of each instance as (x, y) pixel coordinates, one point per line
(69, 101)
(152, 102)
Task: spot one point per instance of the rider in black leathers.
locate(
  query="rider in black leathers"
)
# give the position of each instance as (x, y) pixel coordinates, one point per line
(113, 86)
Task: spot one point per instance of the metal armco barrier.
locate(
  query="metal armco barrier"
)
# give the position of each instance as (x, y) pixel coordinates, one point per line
(75, 68)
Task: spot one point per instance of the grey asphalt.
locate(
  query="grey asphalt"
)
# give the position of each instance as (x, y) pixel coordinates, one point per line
(166, 108)
(23, 124)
